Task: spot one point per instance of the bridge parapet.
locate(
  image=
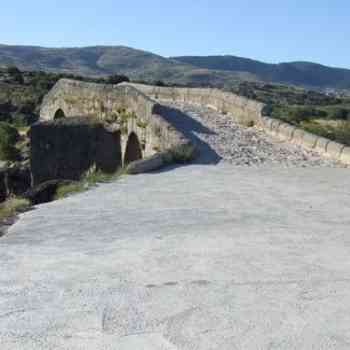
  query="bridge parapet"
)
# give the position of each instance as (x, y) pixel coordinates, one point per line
(245, 111)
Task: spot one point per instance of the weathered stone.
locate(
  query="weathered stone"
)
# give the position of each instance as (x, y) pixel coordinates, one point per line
(321, 144)
(345, 155)
(334, 149)
(298, 136)
(145, 165)
(309, 140)
(286, 131)
(66, 148)
(275, 126)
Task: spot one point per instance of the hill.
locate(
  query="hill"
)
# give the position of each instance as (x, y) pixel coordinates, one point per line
(186, 70)
(306, 74)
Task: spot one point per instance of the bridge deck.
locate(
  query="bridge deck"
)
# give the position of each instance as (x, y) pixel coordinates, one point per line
(220, 139)
(200, 257)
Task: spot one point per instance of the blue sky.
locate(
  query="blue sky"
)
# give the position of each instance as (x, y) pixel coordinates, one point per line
(268, 30)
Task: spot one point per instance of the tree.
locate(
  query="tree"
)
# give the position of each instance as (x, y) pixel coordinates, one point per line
(8, 138)
(13, 70)
(341, 113)
(16, 74)
(159, 83)
(117, 79)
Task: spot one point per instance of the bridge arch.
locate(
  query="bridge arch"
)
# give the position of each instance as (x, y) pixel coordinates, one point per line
(145, 127)
(133, 150)
(59, 114)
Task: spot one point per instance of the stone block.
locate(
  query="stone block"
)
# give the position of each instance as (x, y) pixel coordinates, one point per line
(145, 165)
(298, 136)
(309, 140)
(274, 126)
(334, 149)
(345, 155)
(286, 131)
(321, 144)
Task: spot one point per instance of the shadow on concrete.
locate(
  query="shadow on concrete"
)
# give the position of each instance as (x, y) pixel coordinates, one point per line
(189, 127)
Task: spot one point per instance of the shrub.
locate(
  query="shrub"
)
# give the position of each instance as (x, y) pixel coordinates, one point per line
(8, 133)
(304, 114)
(21, 119)
(8, 139)
(159, 83)
(339, 133)
(8, 153)
(12, 206)
(16, 74)
(117, 79)
(340, 113)
(68, 189)
(12, 70)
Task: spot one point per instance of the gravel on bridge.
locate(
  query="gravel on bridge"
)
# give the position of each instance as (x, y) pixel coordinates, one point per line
(221, 139)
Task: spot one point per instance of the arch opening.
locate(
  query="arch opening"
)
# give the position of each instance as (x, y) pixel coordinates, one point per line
(59, 114)
(133, 149)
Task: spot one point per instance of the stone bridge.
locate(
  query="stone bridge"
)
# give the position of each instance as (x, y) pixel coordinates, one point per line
(109, 126)
(86, 124)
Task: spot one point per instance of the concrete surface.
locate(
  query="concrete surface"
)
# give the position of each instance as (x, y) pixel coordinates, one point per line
(200, 257)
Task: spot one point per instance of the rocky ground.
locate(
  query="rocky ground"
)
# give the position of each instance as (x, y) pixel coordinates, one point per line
(234, 144)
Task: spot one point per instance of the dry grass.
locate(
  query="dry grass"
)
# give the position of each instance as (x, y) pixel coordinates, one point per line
(12, 206)
(66, 190)
(88, 180)
(338, 131)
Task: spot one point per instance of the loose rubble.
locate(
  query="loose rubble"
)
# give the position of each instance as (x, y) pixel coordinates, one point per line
(244, 146)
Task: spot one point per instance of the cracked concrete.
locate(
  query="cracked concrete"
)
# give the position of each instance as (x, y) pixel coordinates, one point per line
(199, 257)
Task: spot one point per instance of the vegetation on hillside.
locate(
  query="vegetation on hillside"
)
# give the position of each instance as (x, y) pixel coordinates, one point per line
(325, 115)
(9, 137)
(296, 73)
(141, 65)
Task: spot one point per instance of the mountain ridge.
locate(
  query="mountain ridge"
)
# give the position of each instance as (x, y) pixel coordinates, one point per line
(218, 70)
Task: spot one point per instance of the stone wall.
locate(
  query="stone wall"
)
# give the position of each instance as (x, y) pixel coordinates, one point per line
(66, 148)
(243, 110)
(293, 134)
